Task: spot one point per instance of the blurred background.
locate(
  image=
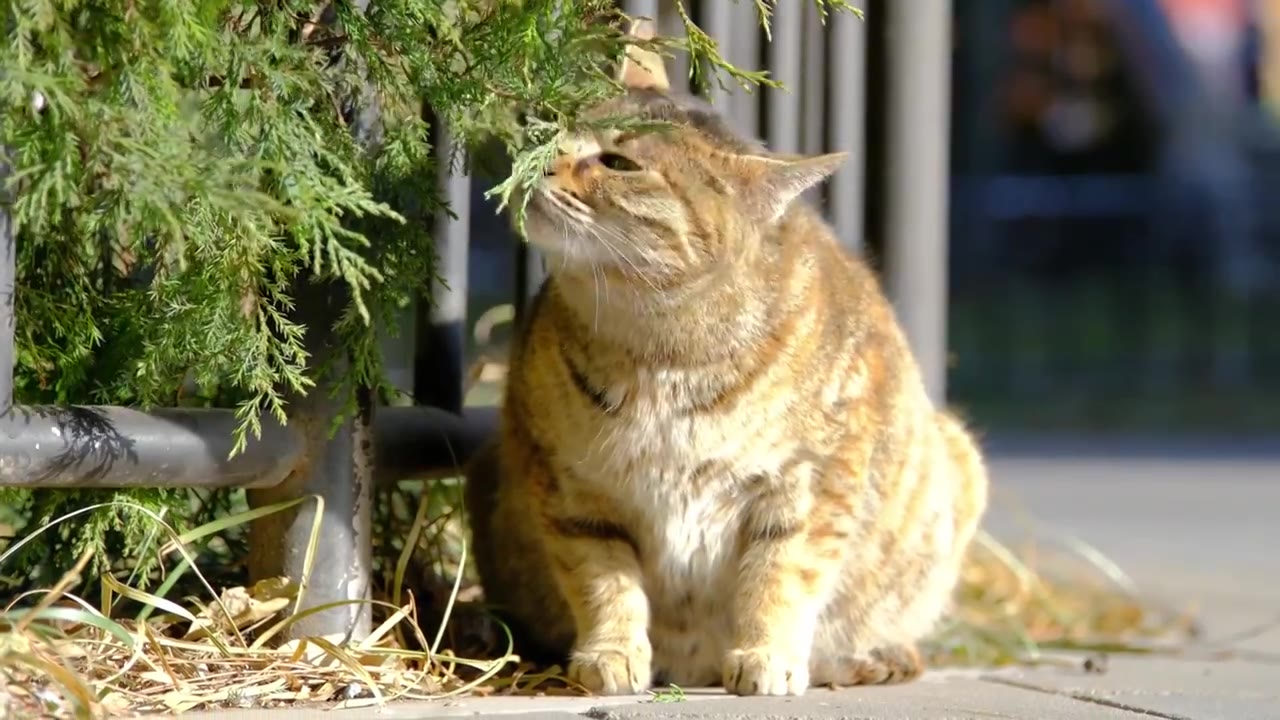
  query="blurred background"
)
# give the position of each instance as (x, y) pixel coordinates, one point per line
(1114, 199)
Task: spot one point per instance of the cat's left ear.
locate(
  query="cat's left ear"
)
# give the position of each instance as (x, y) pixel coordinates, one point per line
(769, 183)
(643, 69)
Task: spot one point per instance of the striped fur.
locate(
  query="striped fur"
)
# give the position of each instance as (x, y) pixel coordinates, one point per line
(717, 462)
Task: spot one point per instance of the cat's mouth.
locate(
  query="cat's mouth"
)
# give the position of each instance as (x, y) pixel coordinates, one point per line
(563, 204)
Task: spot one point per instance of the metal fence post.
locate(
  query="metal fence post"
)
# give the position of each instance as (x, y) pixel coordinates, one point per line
(813, 95)
(642, 8)
(786, 66)
(440, 352)
(670, 26)
(717, 20)
(846, 122)
(338, 466)
(530, 272)
(745, 106)
(8, 288)
(918, 90)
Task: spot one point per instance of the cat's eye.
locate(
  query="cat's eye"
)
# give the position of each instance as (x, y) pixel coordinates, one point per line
(619, 163)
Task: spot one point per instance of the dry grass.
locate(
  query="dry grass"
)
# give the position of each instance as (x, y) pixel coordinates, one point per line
(64, 656)
(141, 651)
(1021, 608)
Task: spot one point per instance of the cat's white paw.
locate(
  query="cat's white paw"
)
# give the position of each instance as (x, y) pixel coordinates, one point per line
(613, 670)
(765, 671)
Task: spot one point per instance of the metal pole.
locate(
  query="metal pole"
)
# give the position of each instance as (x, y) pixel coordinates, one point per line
(786, 64)
(670, 26)
(339, 461)
(338, 468)
(8, 286)
(917, 168)
(116, 447)
(642, 8)
(846, 119)
(746, 55)
(79, 446)
(717, 21)
(813, 95)
(530, 272)
(440, 362)
(815, 76)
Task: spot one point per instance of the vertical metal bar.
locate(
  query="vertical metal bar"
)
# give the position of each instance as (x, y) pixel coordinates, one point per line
(8, 287)
(814, 88)
(439, 357)
(918, 92)
(786, 63)
(745, 106)
(530, 273)
(642, 8)
(813, 95)
(338, 468)
(846, 119)
(397, 346)
(339, 464)
(670, 26)
(717, 21)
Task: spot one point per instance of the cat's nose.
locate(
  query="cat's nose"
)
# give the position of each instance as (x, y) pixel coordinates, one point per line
(555, 166)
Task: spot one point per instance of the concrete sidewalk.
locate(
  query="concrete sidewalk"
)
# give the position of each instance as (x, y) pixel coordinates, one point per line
(1196, 527)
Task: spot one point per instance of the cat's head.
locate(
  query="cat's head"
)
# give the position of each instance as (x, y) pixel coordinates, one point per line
(667, 203)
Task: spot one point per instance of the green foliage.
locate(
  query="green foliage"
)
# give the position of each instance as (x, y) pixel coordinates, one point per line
(178, 166)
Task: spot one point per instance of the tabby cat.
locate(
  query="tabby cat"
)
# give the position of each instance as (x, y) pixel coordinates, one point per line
(717, 461)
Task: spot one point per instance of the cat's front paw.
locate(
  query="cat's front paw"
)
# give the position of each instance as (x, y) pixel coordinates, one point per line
(765, 671)
(613, 670)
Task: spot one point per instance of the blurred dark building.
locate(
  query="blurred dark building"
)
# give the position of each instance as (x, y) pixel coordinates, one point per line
(1114, 246)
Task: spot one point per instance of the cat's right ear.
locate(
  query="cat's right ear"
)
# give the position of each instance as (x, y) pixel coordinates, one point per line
(642, 69)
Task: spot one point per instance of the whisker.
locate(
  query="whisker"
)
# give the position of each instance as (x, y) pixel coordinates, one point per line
(571, 201)
(623, 256)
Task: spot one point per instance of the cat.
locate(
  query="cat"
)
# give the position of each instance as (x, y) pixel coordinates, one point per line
(717, 462)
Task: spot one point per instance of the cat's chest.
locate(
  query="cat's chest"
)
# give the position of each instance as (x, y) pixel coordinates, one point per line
(688, 535)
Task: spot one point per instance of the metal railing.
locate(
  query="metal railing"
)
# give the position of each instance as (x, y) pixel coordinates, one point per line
(822, 109)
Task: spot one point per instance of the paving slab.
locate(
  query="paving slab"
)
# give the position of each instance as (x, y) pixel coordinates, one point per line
(1187, 525)
(1168, 687)
(943, 697)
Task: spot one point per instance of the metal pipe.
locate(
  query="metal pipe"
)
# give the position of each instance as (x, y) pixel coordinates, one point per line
(918, 93)
(8, 286)
(117, 447)
(425, 442)
(439, 356)
(338, 467)
(813, 89)
(786, 63)
(530, 272)
(746, 55)
(642, 8)
(813, 94)
(717, 22)
(339, 460)
(846, 120)
(671, 27)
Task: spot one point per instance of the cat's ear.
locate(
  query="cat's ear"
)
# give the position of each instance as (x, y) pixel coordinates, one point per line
(769, 183)
(642, 69)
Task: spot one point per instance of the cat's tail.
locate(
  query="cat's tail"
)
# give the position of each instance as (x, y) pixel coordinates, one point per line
(970, 473)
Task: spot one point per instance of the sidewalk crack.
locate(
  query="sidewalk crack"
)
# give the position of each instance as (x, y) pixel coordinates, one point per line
(1084, 697)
